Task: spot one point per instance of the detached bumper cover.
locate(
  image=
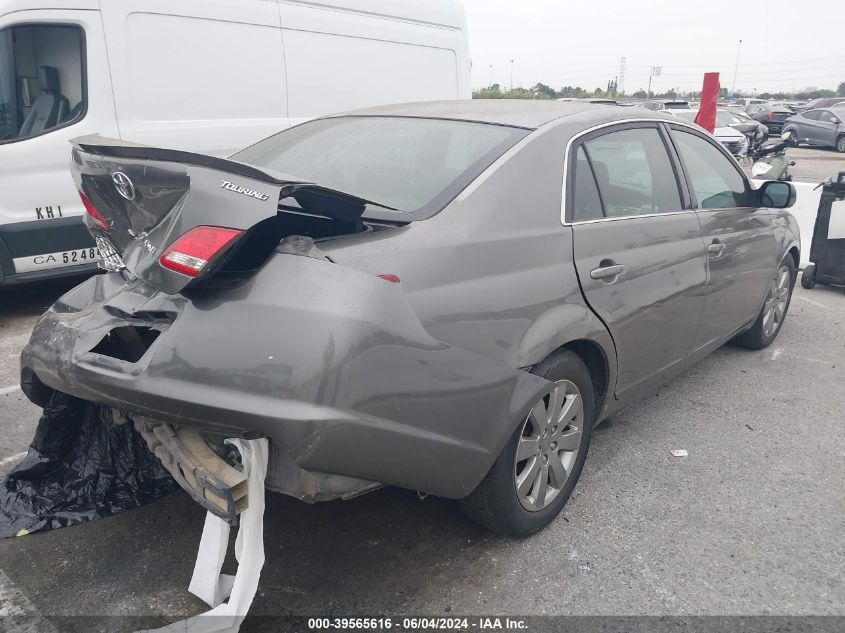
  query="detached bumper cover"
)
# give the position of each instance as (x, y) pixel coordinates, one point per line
(330, 363)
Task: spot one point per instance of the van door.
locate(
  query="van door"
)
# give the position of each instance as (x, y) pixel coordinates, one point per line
(206, 76)
(54, 86)
(638, 252)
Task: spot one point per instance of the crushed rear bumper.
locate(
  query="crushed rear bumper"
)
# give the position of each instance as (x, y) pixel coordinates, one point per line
(329, 363)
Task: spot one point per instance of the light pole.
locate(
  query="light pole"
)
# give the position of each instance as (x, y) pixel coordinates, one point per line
(491, 77)
(511, 75)
(736, 67)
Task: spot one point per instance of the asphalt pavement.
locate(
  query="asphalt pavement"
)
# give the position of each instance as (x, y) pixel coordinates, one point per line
(752, 522)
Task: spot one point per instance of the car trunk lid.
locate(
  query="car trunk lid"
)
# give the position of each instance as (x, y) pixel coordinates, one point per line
(160, 213)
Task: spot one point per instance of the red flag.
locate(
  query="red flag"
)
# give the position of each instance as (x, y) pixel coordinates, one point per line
(706, 116)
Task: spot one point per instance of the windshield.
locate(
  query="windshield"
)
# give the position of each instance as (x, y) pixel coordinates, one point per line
(42, 85)
(408, 164)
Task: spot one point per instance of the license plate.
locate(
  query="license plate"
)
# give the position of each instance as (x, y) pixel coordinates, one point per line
(61, 259)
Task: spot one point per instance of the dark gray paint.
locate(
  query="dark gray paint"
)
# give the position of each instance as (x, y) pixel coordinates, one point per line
(420, 384)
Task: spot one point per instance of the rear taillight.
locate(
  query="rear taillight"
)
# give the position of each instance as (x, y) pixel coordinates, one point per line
(394, 279)
(91, 210)
(770, 116)
(192, 252)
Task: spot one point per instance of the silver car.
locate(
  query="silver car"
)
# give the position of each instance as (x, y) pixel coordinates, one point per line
(822, 127)
(443, 296)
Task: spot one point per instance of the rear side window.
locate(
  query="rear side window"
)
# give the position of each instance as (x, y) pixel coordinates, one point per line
(633, 172)
(717, 184)
(586, 204)
(813, 115)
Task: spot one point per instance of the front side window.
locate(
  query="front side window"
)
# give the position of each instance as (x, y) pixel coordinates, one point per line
(633, 172)
(407, 164)
(716, 182)
(827, 116)
(42, 83)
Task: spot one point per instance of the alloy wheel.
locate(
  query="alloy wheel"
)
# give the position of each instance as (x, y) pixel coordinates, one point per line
(775, 307)
(548, 446)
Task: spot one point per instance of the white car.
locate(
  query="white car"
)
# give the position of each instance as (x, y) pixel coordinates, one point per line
(735, 142)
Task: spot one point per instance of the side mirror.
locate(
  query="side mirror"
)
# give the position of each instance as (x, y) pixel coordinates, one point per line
(777, 194)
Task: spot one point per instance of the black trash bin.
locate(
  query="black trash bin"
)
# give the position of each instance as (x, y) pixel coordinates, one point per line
(827, 255)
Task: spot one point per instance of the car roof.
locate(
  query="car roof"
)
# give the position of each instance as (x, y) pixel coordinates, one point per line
(525, 113)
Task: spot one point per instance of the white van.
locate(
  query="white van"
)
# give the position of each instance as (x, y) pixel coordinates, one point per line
(209, 76)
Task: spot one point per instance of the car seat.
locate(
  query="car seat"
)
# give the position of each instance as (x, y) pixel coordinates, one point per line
(49, 108)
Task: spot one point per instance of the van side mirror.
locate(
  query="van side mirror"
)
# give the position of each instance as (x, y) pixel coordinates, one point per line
(777, 194)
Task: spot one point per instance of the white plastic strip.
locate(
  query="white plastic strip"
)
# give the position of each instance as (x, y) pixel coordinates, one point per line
(207, 582)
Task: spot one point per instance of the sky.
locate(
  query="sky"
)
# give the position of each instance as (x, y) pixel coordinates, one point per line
(581, 43)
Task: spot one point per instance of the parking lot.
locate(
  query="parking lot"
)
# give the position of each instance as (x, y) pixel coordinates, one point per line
(750, 523)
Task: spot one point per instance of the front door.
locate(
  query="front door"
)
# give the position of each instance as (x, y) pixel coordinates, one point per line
(739, 241)
(638, 252)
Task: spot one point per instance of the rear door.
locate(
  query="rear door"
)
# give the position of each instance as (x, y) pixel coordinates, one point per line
(637, 249)
(741, 248)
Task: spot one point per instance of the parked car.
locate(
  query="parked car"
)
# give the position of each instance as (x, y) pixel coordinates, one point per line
(747, 101)
(187, 78)
(666, 104)
(770, 116)
(822, 127)
(821, 103)
(416, 304)
(742, 122)
(734, 141)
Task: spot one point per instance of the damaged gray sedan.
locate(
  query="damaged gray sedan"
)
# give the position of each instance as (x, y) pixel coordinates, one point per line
(445, 296)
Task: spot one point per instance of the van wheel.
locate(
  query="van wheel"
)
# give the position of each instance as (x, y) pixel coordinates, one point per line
(840, 144)
(808, 277)
(534, 475)
(773, 312)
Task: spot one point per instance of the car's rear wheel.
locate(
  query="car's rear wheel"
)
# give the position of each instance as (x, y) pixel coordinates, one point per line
(535, 473)
(840, 144)
(773, 313)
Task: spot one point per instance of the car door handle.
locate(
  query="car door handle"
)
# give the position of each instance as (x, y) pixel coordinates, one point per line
(716, 248)
(606, 272)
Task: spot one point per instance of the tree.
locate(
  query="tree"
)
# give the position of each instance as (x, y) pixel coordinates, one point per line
(544, 92)
(840, 91)
(640, 94)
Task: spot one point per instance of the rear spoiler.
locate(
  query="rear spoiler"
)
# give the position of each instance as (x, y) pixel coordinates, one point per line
(116, 148)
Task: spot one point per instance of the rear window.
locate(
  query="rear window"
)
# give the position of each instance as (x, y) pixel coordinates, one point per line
(415, 166)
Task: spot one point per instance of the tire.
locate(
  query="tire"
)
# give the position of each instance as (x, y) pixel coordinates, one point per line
(840, 144)
(761, 334)
(808, 277)
(496, 503)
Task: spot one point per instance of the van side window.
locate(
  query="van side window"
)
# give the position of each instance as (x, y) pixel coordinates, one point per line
(633, 172)
(586, 204)
(716, 181)
(42, 82)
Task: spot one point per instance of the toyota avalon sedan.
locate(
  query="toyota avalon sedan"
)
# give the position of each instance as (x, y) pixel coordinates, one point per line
(443, 296)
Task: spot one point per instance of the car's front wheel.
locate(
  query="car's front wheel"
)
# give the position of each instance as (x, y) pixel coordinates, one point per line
(773, 313)
(534, 475)
(840, 144)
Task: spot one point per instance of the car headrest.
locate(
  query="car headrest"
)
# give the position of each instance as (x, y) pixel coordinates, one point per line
(48, 79)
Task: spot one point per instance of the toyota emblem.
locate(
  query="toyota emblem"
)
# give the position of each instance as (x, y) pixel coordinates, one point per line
(123, 185)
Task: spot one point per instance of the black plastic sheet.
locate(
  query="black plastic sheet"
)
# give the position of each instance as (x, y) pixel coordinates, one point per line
(82, 465)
